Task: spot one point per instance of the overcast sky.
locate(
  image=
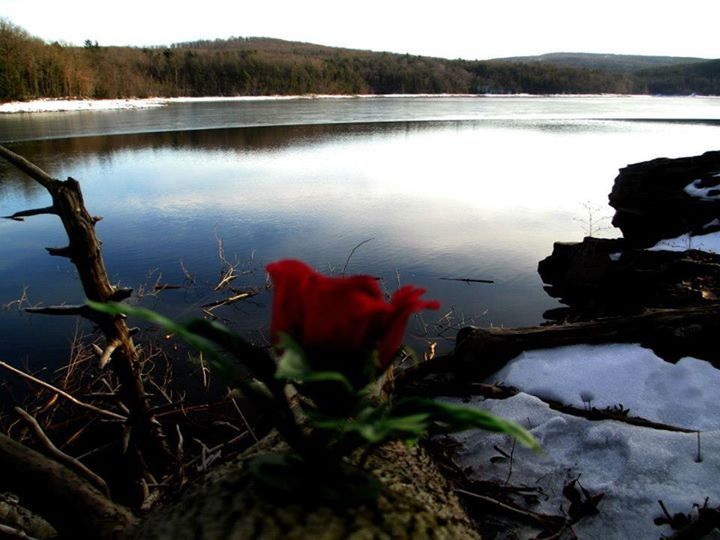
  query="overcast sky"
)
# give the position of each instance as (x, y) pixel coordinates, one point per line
(474, 29)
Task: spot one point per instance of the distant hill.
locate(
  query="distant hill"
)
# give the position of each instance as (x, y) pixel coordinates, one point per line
(32, 68)
(615, 63)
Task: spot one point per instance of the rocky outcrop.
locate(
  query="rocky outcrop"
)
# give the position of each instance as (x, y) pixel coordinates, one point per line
(654, 200)
(664, 198)
(600, 278)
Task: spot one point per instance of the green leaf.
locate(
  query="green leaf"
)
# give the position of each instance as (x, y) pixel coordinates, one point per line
(375, 426)
(447, 418)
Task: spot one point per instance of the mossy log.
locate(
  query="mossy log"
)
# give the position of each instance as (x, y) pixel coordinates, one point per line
(416, 502)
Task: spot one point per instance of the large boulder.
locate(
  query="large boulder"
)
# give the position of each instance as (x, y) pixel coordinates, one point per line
(665, 198)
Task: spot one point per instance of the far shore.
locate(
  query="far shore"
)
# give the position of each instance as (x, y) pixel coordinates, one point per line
(74, 105)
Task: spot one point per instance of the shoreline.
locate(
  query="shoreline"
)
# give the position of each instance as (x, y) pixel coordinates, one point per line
(46, 105)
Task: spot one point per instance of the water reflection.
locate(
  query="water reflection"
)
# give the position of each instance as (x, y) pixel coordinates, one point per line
(478, 199)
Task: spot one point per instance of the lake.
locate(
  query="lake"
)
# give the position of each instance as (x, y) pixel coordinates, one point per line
(446, 187)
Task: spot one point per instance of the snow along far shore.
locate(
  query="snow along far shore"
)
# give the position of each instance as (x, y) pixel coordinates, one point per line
(70, 105)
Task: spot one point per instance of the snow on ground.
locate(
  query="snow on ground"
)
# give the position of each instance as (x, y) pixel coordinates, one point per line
(684, 394)
(704, 242)
(65, 105)
(634, 467)
(708, 193)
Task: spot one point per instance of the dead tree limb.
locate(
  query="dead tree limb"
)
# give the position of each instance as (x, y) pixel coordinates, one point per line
(19, 216)
(84, 251)
(71, 504)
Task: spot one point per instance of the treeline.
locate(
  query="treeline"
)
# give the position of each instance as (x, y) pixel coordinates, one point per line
(701, 78)
(31, 68)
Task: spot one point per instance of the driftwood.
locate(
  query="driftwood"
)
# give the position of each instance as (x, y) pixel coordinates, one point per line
(83, 250)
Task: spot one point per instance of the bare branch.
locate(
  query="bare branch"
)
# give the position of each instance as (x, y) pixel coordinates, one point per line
(82, 311)
(347, 261)
(19, 216)
(33, 171)
(62, 457)
(107, 353)
(60, 252)
(61, 393)
(227, 301)
(467, 280)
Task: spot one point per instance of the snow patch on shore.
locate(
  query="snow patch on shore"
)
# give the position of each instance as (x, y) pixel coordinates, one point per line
(682, 394)
(695, 190)
(70, 105)
(67, 105)
(709, 243)
(634, 467)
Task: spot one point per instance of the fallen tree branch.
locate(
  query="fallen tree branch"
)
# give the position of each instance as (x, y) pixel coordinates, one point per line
(524, 516)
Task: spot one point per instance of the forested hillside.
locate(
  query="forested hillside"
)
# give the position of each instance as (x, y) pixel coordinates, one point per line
(31, 68)
(616, 63)
(703, 78)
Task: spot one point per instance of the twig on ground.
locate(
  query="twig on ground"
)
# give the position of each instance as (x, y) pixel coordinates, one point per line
(525, 516)
(242, 416)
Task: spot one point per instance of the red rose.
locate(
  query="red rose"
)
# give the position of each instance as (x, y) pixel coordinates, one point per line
(340, 314)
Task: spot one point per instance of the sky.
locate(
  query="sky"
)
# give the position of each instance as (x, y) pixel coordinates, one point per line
(470, 29)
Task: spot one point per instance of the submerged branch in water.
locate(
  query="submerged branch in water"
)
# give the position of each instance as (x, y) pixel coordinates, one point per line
(467, 280)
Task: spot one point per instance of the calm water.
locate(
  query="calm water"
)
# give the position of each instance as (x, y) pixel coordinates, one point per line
(446, 187)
